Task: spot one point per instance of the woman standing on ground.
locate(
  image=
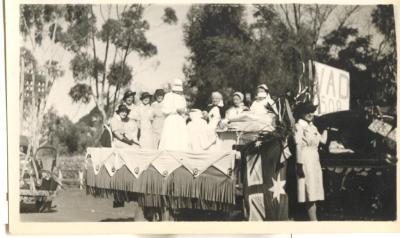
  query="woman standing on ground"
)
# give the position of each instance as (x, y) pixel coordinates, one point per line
(158, 116)
(308, 168)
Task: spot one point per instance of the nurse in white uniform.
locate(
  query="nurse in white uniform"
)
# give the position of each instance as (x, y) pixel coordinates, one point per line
(262, 100)
(174, 135)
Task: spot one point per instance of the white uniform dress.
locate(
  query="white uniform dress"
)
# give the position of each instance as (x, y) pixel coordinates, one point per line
(134, 113)
(234, 112)
(202, 136)
(146, 130)
(214, 116)
(174, 134)
(128, 128)
(310, 188)
(158, 122)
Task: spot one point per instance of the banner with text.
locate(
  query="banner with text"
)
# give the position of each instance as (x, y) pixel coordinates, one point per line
(333, 89)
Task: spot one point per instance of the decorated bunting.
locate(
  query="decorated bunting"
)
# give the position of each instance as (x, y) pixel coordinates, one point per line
(162, 178)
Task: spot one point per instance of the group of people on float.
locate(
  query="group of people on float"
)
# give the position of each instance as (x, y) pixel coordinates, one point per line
(167, 124)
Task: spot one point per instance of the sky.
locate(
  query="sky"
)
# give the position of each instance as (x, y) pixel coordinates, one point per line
(152, 73)
(147, 77)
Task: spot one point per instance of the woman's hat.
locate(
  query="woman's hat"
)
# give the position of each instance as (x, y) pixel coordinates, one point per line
(145, 95)
(122, 108)
(240, 95)
(127, 94)
(159, 92)
(305, 108)
(177, 85)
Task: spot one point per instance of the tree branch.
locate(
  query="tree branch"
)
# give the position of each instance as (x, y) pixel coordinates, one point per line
(101, 13)
(296, 18)
(117, 10)
(347, 15)
(109, 11)
(105, 65)
(117, 88)
(29, 34)
(95, 58)
(286, 13)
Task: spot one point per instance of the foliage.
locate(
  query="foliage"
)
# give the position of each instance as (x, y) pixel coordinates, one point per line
(116, 76)
(95, 77)
(39, 24)
(75, 28)
(217, 37)
(80, 93)
(372, 71)
(227, 54)
(37, 20)
(169, 16)
(68, 137)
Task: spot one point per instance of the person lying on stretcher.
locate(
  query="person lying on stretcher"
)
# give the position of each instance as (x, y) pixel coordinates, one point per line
(124, 130)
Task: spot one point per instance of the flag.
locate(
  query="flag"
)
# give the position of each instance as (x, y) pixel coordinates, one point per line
(265, 181)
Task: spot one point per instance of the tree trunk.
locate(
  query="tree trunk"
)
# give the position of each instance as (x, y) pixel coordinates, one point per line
(22, 91)
(103, 114)
(105, 67)
(94, 60)
(115, 96)
(122, 73)
(296, 18)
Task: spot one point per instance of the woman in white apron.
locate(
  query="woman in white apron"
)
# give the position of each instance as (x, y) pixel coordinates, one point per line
(174, 135)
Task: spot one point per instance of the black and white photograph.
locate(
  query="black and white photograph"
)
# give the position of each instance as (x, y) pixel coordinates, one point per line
(205, 112)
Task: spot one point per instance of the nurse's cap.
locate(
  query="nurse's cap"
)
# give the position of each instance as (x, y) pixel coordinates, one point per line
(177, 85)
(263, 86)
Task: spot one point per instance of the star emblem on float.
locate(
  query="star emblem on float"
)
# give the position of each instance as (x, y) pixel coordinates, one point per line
(277, 188)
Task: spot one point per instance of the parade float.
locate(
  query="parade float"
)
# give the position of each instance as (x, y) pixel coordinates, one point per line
(210, 181)
(252, 173)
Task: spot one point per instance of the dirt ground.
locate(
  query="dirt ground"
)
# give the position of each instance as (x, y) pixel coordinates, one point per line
(73, 205)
